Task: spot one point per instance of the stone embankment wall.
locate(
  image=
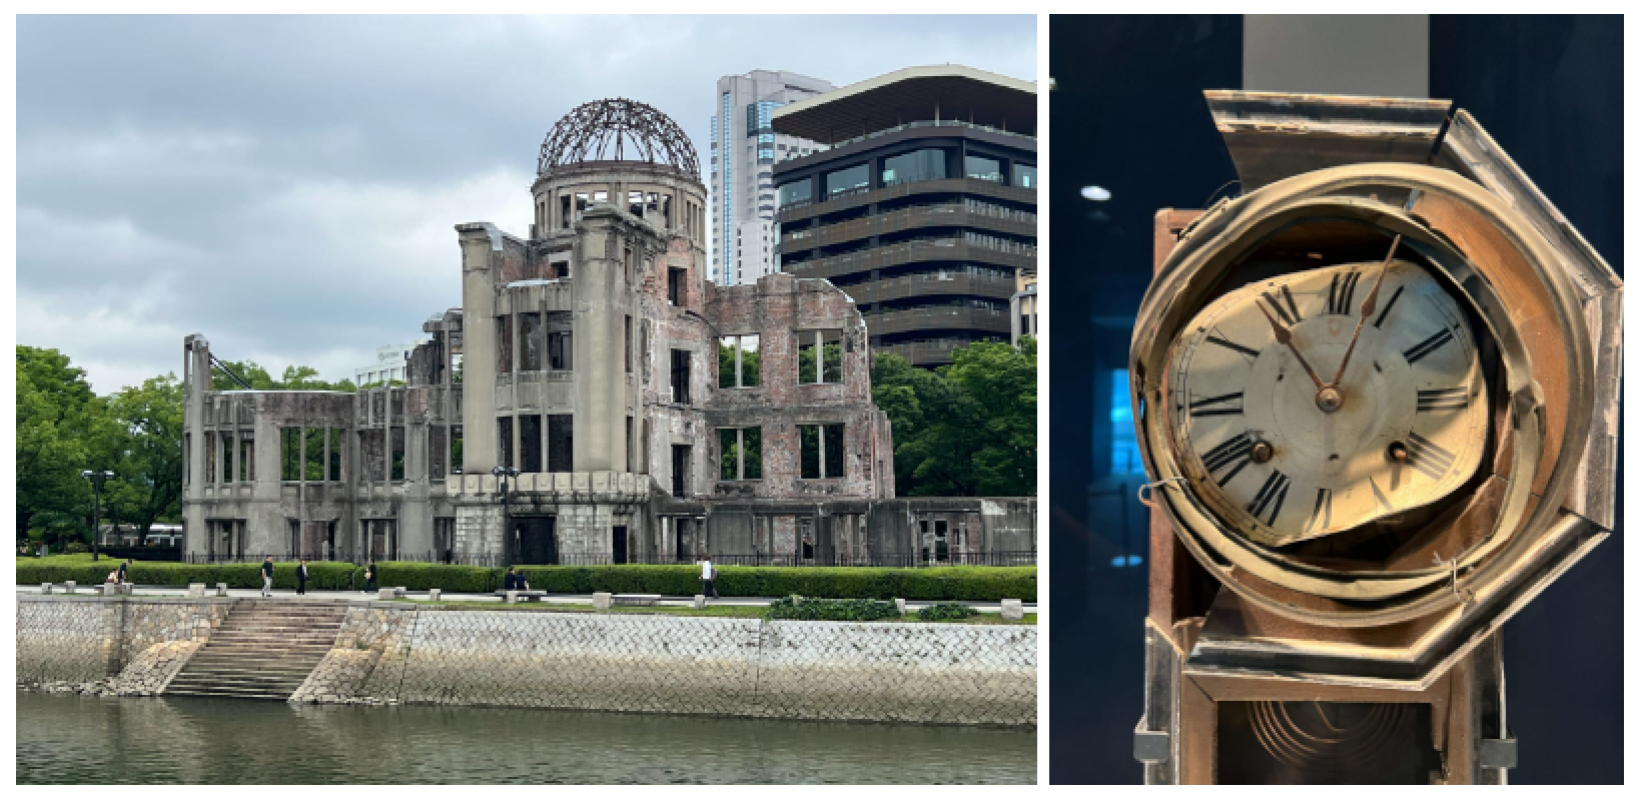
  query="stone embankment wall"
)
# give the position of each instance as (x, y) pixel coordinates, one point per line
(83, 640)
(890, 672)
(405, 653)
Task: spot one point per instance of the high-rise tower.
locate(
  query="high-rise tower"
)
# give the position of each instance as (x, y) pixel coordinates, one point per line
(744, 148)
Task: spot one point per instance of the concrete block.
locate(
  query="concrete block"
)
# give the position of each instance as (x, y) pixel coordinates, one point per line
(400, 592)
(223, 590)
(510, 596)
(45, 589)
(698, 601)
(899, 603)
(602, 600)
(197, 590)
(111, 590)
(68, 587)
(1013, 609)
(387, 593)
(435, 594)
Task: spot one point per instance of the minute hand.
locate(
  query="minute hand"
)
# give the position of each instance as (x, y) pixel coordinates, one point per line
(1367, 310)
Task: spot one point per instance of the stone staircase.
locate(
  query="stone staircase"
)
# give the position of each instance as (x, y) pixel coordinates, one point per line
(263, 650)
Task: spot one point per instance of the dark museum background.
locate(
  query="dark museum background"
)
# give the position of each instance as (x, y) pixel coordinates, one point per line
(1128, 115)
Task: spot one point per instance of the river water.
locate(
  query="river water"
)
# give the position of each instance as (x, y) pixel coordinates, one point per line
(66, 738)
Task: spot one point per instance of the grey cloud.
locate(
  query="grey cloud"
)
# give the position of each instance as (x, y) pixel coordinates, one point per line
(288, 185)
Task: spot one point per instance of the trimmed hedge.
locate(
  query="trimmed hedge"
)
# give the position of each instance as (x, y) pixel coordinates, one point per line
(946, 611)
(929, 584)
(794, 608)
(322, 575)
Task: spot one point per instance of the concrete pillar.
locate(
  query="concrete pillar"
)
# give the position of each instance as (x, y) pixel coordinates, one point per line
(197, 370)
(476, 243)
(599, 291)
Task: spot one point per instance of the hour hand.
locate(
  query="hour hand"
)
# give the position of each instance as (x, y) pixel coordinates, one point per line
(1281, 332)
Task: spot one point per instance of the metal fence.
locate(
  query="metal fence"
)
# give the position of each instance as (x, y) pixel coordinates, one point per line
(979, 559)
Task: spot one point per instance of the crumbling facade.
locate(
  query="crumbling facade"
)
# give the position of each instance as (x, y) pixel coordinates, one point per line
(614, 405)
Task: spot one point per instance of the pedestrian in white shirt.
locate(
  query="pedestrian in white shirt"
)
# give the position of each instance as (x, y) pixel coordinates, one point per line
(707, 576)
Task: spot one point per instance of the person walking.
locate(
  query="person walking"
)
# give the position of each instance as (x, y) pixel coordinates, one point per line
(707, 576)
(372, 578)
(269, 574)
(303, 575)
(123, 573)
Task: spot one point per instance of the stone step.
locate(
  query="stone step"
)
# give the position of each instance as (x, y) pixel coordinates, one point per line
(241, 679)
(288, 685)
(243, 694)
(237, 634)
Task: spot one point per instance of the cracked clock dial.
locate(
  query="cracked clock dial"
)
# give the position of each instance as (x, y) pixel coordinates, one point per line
(1282, 460)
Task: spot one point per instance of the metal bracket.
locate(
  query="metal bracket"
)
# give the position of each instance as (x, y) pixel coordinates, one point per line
(1150, 747)
(1492, 753)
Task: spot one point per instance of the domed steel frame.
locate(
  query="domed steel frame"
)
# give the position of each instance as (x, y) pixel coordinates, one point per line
(617, 130)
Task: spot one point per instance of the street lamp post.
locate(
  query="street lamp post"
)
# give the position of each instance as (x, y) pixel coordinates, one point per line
(97, 477)
(505, 473)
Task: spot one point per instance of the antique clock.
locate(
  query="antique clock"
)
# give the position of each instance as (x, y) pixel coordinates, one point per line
(1377, 399)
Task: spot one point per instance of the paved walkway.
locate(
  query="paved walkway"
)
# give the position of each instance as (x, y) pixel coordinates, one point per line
(141, 590)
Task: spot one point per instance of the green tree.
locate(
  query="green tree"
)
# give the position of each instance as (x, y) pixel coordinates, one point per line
(145, 443)
(969, 428)
(55, 409)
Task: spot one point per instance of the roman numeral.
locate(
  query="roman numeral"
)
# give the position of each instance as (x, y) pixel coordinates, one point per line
(1428, 346)
(1235, 450)
(1322, 511)
(1389, 302)
(1428, 457)
(1271, 494)
(1340, 294)
(1288, 317)
(1380, 496)
(1219, 405)
(1449, 398)
(1215, 338)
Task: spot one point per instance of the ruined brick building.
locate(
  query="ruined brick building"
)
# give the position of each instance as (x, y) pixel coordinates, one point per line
(636, 411)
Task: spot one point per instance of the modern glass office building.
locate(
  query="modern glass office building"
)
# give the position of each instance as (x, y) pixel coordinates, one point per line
(743, 150)
(921, 203)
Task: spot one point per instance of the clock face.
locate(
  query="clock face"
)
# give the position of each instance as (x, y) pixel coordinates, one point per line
(1280, 459)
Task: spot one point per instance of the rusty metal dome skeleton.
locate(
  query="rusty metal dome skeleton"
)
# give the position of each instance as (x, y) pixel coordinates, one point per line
(617, 130)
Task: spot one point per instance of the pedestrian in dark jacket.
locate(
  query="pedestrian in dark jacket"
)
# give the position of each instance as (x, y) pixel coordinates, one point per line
(303, 575)
(372, 578)
(123, 573)
(269, 574)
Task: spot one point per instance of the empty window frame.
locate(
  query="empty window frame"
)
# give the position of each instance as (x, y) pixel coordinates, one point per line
(629, 444)
(249, 448)
(559, 330)
(629, 342)
(680, 459)
(637, 202)
(527, 325)
(437, 446)
(291, 463)
(819, 356)
(335, 455)
(505, 340)
(315, 455)
(741, 453)
(561, 443)
(529, 426)
(676, 285)
(681, 372)
(398, 453)
(822, 450)
(228, 458)
(456, 446)
(739, 358)
(506, 442)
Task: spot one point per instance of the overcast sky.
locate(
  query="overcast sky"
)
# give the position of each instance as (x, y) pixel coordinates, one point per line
(288, 186)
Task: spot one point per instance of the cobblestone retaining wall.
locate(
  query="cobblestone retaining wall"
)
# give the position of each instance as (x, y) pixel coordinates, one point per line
(892, 672)
(85, 639)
